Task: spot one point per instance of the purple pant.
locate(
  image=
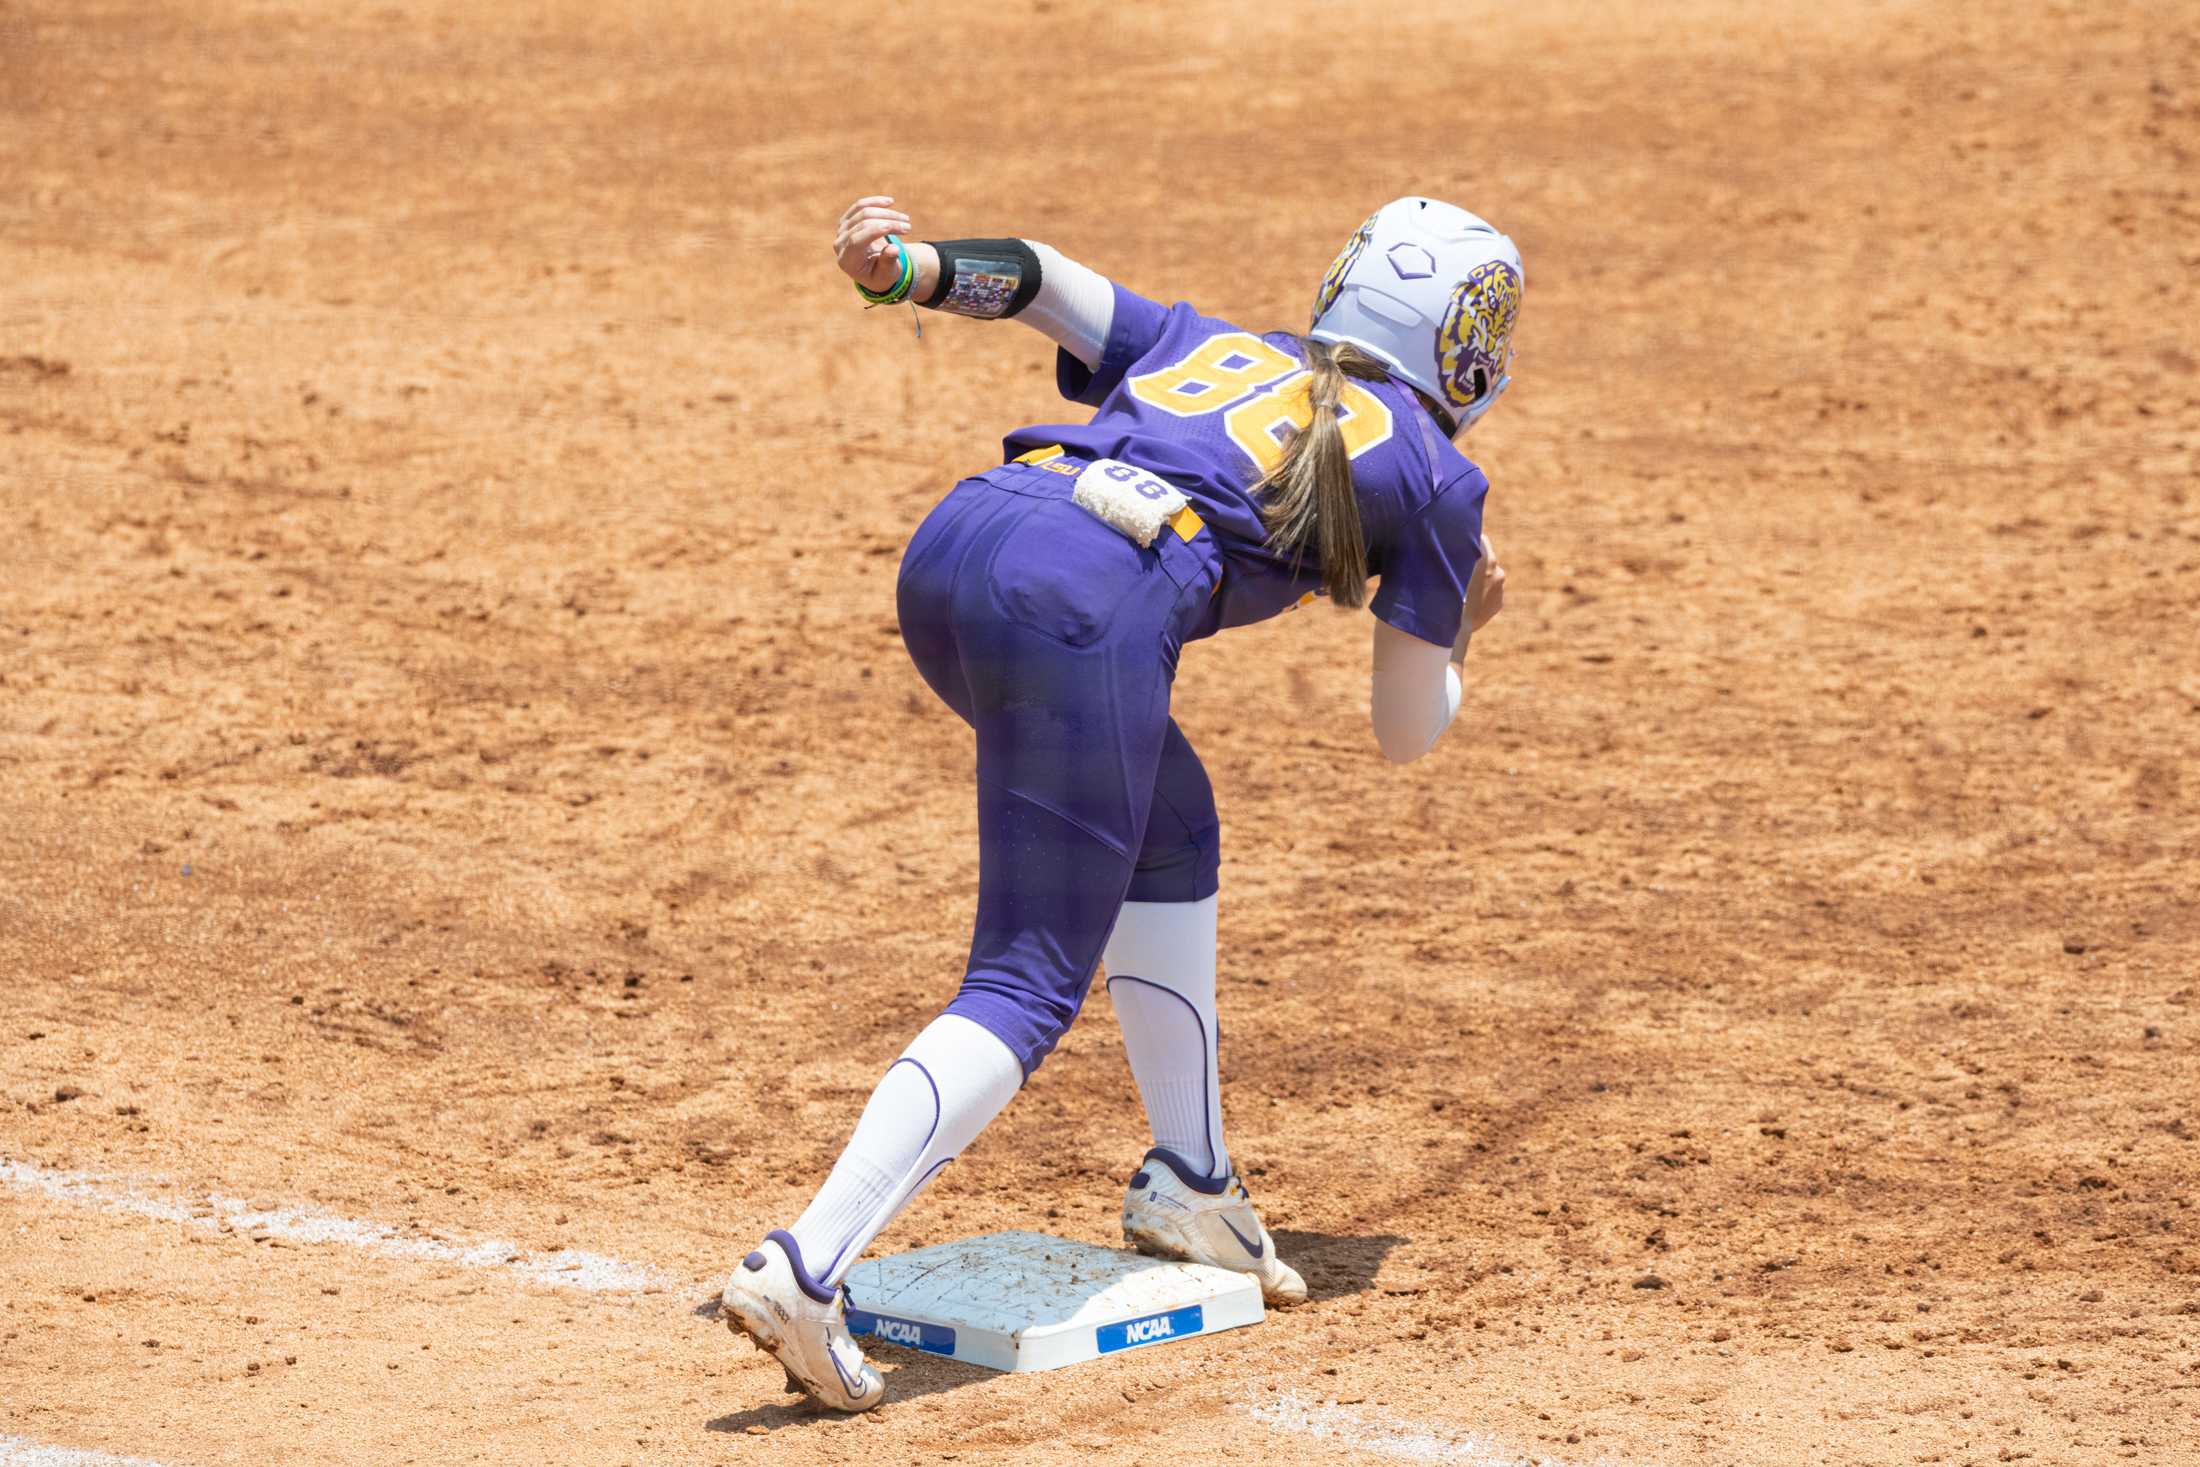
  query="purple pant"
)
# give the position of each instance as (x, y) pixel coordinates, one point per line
(1056, 639)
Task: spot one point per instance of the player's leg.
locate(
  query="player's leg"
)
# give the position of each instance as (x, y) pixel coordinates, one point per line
(1048, 730)
(1064, 763)
(1068, 738)
(1186, 1201)
(953, 1077)
(1161, 964)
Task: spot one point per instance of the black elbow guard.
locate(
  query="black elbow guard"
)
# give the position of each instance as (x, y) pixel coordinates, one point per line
(985, 278)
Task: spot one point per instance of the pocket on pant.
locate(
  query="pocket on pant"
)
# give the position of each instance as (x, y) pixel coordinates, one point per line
(1058, 574)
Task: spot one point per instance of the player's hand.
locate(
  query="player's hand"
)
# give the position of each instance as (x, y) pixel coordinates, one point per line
(860, 243)
(1485, 593)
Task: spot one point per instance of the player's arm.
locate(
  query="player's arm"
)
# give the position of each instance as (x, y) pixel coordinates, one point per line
(1415, 687)
(989, 279)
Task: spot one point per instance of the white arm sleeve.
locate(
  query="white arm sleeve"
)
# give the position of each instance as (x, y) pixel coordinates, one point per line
(1075, 305)
(1414, 693)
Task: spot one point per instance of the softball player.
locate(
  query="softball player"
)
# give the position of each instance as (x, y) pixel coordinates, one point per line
(1225, 476)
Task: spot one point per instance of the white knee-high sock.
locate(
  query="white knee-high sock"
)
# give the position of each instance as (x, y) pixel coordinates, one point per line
(1161, 975)
(951, 1080)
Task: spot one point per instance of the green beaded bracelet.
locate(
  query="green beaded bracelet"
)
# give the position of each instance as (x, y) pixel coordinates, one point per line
(899, 290)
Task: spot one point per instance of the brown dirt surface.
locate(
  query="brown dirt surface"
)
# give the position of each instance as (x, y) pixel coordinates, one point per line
(458, 769)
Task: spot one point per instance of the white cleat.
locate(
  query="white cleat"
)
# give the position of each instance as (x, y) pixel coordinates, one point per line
(1172, 1211)
(772, 1299)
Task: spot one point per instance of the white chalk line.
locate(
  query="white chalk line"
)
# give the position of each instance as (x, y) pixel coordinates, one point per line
(1379, 1434)
(16, 1452)
(212, 1212)
(1371, 1433)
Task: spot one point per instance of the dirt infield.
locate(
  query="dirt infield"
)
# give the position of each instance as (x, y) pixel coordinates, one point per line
(459, 773)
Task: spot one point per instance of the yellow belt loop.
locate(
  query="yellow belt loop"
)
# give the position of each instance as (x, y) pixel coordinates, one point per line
(1186, 522)
(1039, 455)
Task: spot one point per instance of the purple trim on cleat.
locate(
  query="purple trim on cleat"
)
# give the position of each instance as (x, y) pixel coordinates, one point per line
(1141, 1177)
(802, 1277)
(1250, 1245)
(852, 1384)
(754, 1263)
(1191, 1176)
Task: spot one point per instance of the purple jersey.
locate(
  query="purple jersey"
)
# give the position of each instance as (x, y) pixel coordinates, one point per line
(1211, 407)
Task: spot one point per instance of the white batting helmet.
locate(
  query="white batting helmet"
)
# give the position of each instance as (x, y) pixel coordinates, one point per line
(1432, 291)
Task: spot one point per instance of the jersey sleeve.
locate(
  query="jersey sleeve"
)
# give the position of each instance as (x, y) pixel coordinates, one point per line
(1137, 325)
(1428, 562)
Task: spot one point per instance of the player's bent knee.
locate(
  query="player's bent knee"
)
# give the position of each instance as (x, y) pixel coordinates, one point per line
(1030, 1022)
(1186, 870)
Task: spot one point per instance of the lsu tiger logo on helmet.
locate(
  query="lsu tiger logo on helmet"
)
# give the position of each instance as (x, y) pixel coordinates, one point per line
(1475, 342)
(1326, 295)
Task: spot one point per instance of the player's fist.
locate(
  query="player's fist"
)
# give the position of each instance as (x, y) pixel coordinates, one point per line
(860, 243)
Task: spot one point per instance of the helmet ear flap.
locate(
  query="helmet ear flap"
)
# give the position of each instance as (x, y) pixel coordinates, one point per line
(1472, 413)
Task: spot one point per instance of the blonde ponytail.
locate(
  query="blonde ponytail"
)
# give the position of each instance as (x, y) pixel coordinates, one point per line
(1309, 503)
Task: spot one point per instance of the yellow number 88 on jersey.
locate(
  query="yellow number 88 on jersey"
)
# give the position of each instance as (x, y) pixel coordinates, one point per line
(1262, 393)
